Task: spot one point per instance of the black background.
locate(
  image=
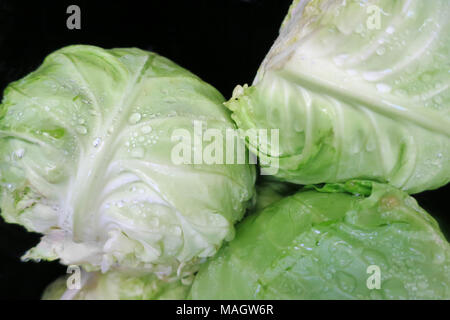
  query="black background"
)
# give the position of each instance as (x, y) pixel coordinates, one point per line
(222, 41)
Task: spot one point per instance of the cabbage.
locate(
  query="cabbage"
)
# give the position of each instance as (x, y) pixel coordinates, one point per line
(330, 243)
(268, 192)
(357, 89)
(117, 286)
(86, 146)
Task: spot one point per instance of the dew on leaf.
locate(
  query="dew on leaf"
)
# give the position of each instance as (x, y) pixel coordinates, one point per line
(146, 129)
(81, 129)
(96, 142)
(134, 118)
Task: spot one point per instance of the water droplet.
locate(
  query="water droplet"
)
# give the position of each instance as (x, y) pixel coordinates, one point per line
(146, 129)
(97, 142)
(390, 30)
(383, 88)
(381, 51)
(135, 118)
(439, 258)
(371, 76)
(81, 130)
(19, 153)
(340, 59)
(170, 100)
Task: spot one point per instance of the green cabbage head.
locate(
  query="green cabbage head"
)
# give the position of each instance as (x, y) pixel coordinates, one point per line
(116, 286)
(358, 240)
(358, 90)
(269, 191)
(86, 146)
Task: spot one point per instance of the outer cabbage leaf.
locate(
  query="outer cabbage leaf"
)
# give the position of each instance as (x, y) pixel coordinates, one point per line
(320, 243)
(85, 158)
(117, 286)
(269, 191)
(354, 99)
